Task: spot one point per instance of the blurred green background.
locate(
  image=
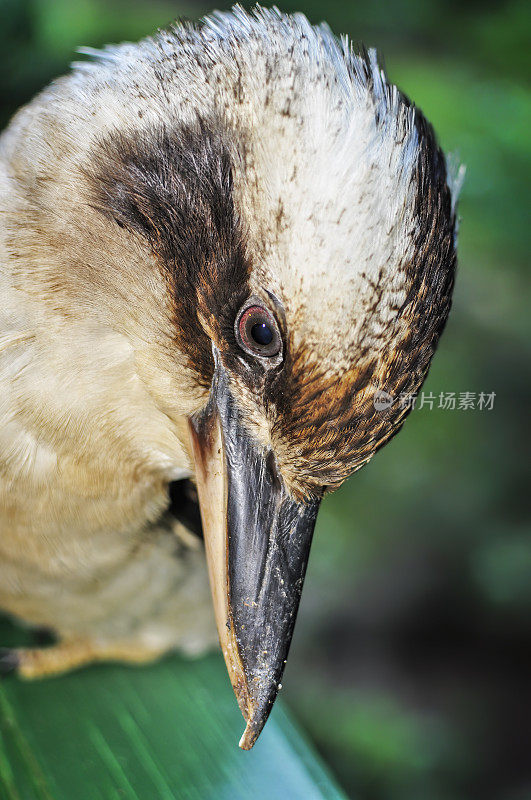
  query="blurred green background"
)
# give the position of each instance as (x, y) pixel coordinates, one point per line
(411, 663)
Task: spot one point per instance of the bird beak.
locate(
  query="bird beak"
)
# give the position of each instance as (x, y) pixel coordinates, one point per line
(257, 540)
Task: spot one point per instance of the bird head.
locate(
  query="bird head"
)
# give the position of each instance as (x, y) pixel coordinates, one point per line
(274, 230)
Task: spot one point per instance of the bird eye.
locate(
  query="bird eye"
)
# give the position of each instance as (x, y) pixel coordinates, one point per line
(257, 332)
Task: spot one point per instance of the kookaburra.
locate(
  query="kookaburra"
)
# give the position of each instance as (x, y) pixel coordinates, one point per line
(217, 248)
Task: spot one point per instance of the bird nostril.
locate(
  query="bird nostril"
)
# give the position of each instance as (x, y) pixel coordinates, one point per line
(272, 468)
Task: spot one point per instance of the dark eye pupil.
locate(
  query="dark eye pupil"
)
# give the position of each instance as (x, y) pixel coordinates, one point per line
(262, 333)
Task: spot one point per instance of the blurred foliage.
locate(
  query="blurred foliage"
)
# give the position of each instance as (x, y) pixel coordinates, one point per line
(411, 662)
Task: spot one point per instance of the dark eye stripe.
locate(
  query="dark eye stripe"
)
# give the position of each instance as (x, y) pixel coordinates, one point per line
(257, 332)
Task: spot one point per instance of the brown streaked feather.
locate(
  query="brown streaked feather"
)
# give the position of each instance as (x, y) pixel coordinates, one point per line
(332, 417)
(174, 187)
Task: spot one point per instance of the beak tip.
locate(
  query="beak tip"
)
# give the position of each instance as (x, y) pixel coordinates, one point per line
(249, 736)
(255, 723)
(246, 742)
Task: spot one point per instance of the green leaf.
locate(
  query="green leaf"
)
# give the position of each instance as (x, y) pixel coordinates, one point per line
(166, 731)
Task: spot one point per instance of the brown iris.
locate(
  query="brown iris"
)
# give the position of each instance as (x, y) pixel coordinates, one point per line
(257, 332)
